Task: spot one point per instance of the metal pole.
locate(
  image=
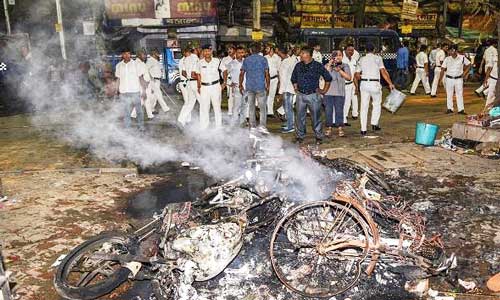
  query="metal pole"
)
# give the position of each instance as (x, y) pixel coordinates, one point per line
(256, 15)
(61, 31)
(7, 19)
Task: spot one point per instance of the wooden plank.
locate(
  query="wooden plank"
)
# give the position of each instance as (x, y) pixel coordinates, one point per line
(475, 133)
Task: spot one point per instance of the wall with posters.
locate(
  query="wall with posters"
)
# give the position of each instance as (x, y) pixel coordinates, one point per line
(129, 9)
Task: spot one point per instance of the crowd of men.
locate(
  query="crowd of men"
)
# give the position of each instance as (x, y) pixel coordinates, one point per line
(445, 65)
(252, 78)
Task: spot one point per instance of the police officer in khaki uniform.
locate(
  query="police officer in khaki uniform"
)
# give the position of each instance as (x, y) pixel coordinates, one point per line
(368, 72)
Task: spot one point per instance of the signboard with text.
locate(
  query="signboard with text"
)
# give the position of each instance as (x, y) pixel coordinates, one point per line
(409, 10)
(130, 9)
(185, 9)
(423, 21)
(325, 21)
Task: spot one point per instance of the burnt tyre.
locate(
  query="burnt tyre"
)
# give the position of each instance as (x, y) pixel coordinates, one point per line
(84, 275)
(317, 250)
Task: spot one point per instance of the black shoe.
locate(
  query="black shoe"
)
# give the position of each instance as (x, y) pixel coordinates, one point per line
(413, 94)
(363, 133)
(462, 112)
(299, 141)
(319, 141)
(427, 94)
(433, 96)
(449, 111)
(376, 128)
(354, 118)
(478, 94)
(347, 125)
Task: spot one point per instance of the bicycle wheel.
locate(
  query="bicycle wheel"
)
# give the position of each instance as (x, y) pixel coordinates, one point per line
(81, 277)
(317, 249)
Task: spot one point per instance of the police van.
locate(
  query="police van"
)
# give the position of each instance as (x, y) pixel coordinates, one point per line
(386, 41)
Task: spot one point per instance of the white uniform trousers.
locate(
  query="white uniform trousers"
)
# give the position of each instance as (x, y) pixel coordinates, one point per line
(350, 99)
(455, 86)
(155, 96)
(189, 102)
(281, 109)
(230, 99)
(240, 106)
(435, 82)
(491, 91)
(482, 89)
(273, 87)
(370, 90)
(210, 94)
(420, 75)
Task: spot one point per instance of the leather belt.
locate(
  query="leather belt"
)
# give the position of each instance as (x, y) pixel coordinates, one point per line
(420, 67)
(156, 78)
(454, 77)
(493, 77)
(367, 79)
(210, 83)
(348, 82)
(192, 79)
(275, 76)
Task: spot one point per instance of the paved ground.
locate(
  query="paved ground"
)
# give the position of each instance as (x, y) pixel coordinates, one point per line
(54, 210)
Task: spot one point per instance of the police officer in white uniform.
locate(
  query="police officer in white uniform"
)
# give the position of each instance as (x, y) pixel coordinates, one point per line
(368, 72)
(233, 71)
(440, 56)
(209, 87)
(155, 95)
(140, 59)
(274, 61)
(491, 53)
(456, 68)
(422, 71)
(351, 97)
(189, 102)
(491, 79)
(231, 51)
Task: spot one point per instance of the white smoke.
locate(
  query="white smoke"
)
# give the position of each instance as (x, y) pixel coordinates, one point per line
(82, 121)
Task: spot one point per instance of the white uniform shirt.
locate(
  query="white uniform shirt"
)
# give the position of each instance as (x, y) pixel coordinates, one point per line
(129, 74)
(440, 56)
(432, 57)
(182, 67)
(274, 64)
(490, 54)
(285, 73)
(209, 71)
(225, 61)
(154, 67)
(421, 59)
(356, 56)
(191, 65)
(233, 70)
(494, 68)
(369, 66)
(352, 63)
(455, 66)
(317, 56)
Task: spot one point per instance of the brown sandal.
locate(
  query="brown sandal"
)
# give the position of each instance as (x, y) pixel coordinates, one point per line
(341, 132)
(328, 131)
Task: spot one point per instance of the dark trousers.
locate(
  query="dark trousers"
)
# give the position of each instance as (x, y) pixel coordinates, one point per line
(402, 79)
(313, 102)
(334, 103)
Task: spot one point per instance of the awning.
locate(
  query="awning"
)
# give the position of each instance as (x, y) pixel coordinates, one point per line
(468, 34)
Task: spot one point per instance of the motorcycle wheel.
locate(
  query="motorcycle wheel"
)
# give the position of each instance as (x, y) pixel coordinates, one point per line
(80, 277)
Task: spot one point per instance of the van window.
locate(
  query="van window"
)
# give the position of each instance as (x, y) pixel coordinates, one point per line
(323, 41)
(389, 44)
(364, 40)
(342, 42)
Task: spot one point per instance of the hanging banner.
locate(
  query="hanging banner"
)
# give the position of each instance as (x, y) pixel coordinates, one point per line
(325, 21)
(409, 11)
(129, 9)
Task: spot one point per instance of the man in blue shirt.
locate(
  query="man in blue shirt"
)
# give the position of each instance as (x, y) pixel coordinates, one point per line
(255, 73)
(402, 63)
(305, 79)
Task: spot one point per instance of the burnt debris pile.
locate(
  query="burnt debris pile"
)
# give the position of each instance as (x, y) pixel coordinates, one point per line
(267, 233)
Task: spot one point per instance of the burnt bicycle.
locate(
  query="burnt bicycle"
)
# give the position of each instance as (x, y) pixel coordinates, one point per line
(319, 249)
